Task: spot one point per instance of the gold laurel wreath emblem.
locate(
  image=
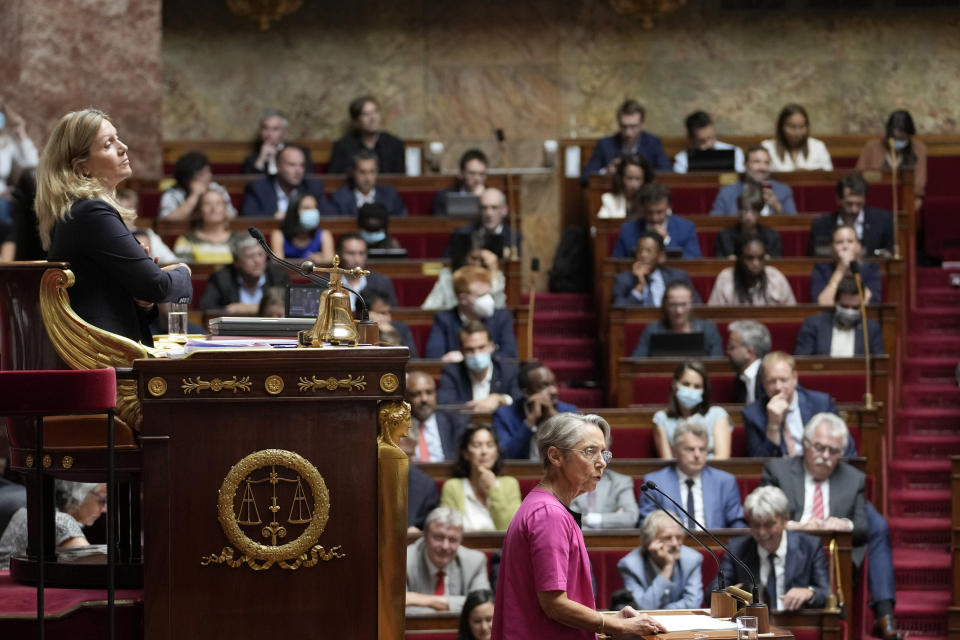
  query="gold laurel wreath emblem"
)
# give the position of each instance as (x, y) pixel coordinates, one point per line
(389, 382)
(302, 551)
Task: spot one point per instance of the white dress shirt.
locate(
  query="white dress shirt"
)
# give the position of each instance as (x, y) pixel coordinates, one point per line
(841, 342)
(809, 485)
(476, 516)
(817, 157)
(481, 388)
(779, 566)
(857, 224)
(361, 199)
(749, 377)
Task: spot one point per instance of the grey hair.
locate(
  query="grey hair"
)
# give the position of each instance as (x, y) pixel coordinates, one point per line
(565, 430)
(274, 113)
(243, 243)
(692, 425)
(766, 502)
(754, 335)
(835, 427)
(70, 495)
(652, 524)
(445, 516)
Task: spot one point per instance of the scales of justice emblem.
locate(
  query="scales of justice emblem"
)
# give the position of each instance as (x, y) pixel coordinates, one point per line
(274, 506)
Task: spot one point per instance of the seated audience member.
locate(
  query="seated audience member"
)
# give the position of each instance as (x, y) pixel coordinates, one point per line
(792, 149)
(151, 240)
(443, 297)
(270, 141)
(662, 573)
(710, 495)
(747, 343)
(493, 223)
(839, 333)
(612, 505)
(702, 137)
(899, 147)
(440, 431)
(750, 204)
(16, 151)
(646, 282)
(361, 188)
(476, 619)
(300, 235)
(751, 282)
(210, 239)
(273, 304)
(470, 180)
(373, 223)
(78, 505)
(192, 179)
(677, 311)
(774, 423)
(630, 139)
(352, 249)
(474, 302)
(826, 276)
(678, 233)
(486, 499)
(777, 197)
(790, 565)
(690, 398)
(13, 496)
(874, 226)
(441, 571)
(393, 332)
(841, 507)
(482, 380)
(270, 196)
(517, 424)
(422, 493)
(238, 287)
(366, 135)
(23, 213)
(632, 172)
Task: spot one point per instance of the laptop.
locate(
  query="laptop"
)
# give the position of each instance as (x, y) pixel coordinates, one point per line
(462, 205)
(710, 160)
(462, 243)
(689, 345)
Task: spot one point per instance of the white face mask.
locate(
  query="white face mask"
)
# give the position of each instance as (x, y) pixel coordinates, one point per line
(484, 306)
(845, 317)
(900, 145)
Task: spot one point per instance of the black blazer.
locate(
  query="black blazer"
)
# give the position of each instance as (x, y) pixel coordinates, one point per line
(625, 281)
(222, 288)
(344, 202)
(816, 335)
(455, 386)
(422, 496)
(728, 238)
(878, 231)
(451, 426)
(112, 270)
(740, 388)
(391, 155)
(260, 197)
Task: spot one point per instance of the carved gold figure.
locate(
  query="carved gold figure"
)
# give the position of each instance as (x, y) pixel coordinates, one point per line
(393, 418)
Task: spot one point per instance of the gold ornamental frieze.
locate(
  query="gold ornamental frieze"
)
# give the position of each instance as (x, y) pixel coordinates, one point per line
(349, 383)
(281, 496)
(215, 384)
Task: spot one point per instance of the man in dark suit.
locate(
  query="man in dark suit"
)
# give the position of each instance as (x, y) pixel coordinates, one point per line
(393, 332)
(367, 134)
(516, 424)
(710, 495)
(677, 232)
(748, 342)
(361, 188)
(352, 249)
(439, 431)
(492, 226)
(422, 493)
(631, 139)
(238, 287)
(470, 180)
(482, 381)
(790, 565)
(874, 227)
(273, 132)
(270, 195)
(645, 284)
(839, 333)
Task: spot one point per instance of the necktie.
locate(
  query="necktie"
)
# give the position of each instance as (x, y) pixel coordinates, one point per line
(772, 582)
(423, 452)
(648, 295)
(691, 508)
(440, 588)
(817, 501)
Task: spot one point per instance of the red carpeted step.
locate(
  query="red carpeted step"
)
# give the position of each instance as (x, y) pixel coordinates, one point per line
(923, 612)
(566, 324)
(920, 503)
(927, 446)
(552, 348)
(945, 320)
(582, 397)
(925, 533)
(938, 297)
(934, 277)
(919, 474)
(933, 346)
(568, 370)
(546, 302)
(922, 420)
(930, 369)
(931, 395)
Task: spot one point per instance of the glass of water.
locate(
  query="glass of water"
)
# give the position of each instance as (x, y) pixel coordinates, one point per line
(747, 628)
(177, 323)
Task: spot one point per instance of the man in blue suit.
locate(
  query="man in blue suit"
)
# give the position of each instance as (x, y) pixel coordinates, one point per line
(710, 495)
(516, 424)
(270, 195)
(799, 576)
(677, 232)
(482, 380)
(777, 197)
(645, 284)
(839, 333)
(631, 139)
(361, 188)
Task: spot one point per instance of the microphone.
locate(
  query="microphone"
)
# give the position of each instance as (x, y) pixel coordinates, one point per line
(868, 394)
(649, 484)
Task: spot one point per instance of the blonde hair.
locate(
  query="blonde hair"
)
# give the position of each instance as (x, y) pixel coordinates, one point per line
(774, 357)
(465, 276)
(60, 182)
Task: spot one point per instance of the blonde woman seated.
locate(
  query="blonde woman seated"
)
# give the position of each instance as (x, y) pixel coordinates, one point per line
(486, 499)
(751, 282)
(210, 241)
(690, 398)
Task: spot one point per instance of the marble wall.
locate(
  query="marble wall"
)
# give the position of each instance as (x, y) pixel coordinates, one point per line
(60, 55)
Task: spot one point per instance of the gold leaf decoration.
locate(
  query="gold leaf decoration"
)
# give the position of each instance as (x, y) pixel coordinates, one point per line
(349, 383)
(215, 384)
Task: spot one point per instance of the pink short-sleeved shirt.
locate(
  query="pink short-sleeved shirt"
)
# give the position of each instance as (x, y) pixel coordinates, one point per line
(542, 551)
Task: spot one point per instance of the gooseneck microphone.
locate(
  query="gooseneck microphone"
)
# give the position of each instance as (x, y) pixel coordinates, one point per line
(755, 591)
(868, 394)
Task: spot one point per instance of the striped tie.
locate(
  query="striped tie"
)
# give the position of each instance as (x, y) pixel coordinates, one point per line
(817, 501)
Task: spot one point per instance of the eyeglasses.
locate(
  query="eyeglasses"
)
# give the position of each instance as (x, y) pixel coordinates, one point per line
(821, 449)
(592, 453)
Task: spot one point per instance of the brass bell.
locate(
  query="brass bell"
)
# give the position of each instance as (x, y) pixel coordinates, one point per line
(338, 325)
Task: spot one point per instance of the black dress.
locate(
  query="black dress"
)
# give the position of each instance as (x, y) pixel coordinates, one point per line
(111, 270)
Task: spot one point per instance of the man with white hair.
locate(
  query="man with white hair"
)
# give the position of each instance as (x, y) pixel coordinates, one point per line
(790, 565)
(440, 571)
(747, 343)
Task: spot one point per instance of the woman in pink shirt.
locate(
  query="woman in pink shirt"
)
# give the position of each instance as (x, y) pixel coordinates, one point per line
(544, 588)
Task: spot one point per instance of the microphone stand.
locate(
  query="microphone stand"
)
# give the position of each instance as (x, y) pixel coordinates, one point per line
(894, 166)
(501, 139)
(868, 395)
(534, 268)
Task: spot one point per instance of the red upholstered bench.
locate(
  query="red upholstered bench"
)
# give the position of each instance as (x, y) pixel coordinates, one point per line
(843, 387)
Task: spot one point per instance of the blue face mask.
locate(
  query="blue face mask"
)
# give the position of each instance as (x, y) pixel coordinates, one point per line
(3, 120)
(689, 398)
(477, 362)
(310, 218)
(900, 145)
(373, 237)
